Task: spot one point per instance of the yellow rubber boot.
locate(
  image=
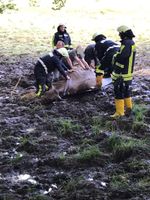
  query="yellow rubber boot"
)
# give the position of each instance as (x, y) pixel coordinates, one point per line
(128, 104)
(119, 108)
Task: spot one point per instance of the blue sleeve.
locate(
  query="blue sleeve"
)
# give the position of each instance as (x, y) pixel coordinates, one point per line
(59, 66)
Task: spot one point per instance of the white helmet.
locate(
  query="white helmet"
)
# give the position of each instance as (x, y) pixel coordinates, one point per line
(122, 29)
(63, 52)
(95, 35)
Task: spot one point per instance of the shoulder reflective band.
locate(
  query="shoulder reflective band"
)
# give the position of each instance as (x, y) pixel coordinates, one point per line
(43, 65)
(114, 46)
(51, 54)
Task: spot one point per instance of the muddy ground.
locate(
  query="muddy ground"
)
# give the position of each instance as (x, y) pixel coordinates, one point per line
(71, 149)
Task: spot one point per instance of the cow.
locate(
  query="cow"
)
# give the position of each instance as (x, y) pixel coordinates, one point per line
(80, 81)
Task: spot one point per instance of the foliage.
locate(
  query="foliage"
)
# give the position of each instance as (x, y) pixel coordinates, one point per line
(58, 4)
(33, 3)
(7, 5)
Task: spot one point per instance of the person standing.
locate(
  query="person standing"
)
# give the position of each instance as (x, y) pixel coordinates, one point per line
(62, 35)
(123, 63)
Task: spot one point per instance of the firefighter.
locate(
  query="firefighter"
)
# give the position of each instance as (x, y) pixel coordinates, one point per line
(62, 35)
(47, 65)
(90, 56)
(105, 49)
(123, 63)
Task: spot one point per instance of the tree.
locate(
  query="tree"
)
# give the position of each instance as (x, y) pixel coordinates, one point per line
(58, 4)
(7, 5)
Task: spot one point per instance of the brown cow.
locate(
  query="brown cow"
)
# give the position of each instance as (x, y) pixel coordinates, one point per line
(81, 80)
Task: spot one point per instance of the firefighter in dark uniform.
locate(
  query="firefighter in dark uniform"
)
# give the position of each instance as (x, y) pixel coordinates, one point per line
(62, 35)
(105, 49)
(123, 63)
(90, 55)
(46, 65)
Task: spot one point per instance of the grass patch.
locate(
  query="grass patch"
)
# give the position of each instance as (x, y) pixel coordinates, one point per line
(122, 148)
(67, 127)
(96, 125)
(139, 112)
(144, 183)
(136, 165)
(119, 182)
(73, 184)
(88, 154)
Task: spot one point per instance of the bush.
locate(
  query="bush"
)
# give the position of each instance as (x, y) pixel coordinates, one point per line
(7, 5)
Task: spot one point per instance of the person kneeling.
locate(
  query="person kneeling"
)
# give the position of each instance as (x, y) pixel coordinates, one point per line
(46, 65)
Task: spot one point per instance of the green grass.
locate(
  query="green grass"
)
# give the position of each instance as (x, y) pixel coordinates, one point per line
(139, 111)
(122, 147)
(30, 30)
(96, 125)
(89, 153)
(67, 127)
(118, 182)
(144, 182)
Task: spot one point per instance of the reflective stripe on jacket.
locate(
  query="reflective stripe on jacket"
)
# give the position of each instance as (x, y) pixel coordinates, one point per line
(123, 61)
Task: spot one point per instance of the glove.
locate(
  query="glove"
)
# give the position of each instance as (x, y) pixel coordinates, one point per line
(99, 79)
(40, 90)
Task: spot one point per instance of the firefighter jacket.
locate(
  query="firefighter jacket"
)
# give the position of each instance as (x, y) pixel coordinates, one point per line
(62, 36)
(123, 61)
(48, 64)
(104, 46)
(105, 49)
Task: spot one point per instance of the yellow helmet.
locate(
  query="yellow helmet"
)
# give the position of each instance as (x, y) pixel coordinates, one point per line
(122, 29)
(63, 52)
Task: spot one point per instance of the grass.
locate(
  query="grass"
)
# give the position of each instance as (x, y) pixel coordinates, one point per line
(144, 182)
(99, 123)
(118, 182)
(67, 127)
(96, 124)
(89, 153)
(73, 184)
(122, 147)
(139, 112)
(136, 165)
(30, 30)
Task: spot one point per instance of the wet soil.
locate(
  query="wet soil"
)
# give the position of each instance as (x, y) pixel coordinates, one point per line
(62, 150)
